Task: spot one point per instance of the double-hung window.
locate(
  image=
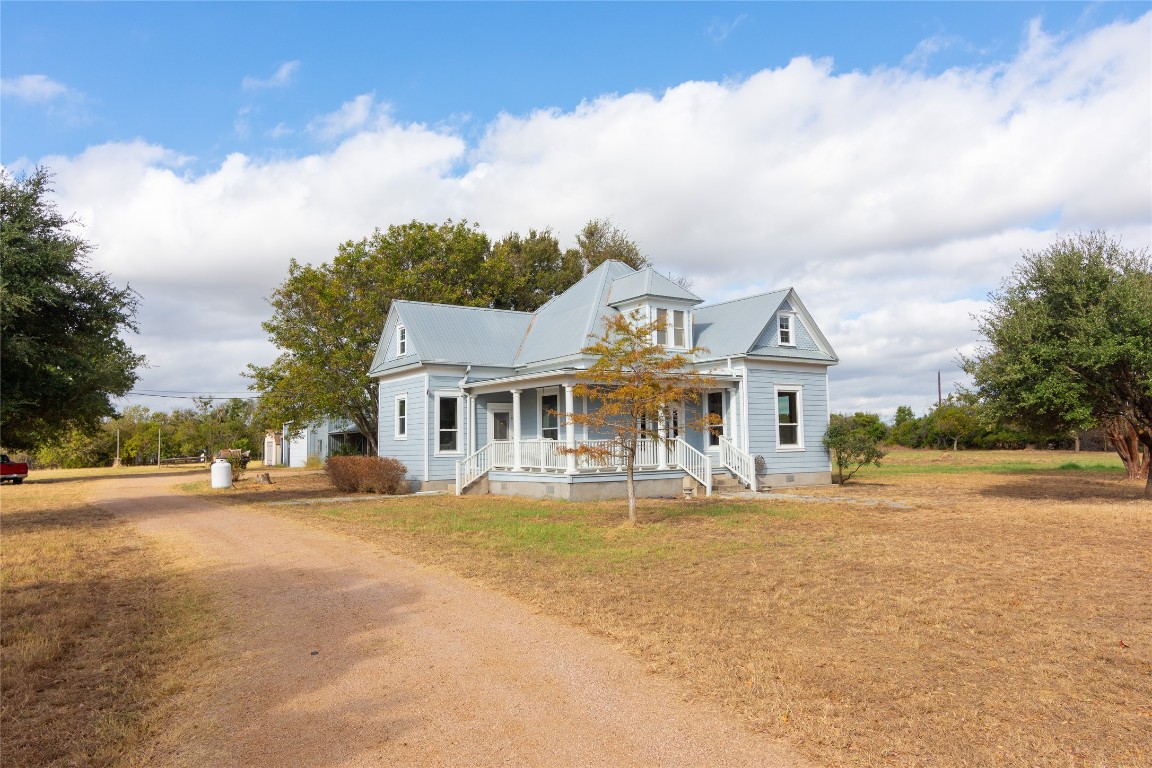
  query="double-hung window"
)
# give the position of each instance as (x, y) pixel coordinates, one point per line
(786, 331)
(679, 328)
(673, 328)
(448, 424)
(401, 341)
(788, 419)
(401, 432)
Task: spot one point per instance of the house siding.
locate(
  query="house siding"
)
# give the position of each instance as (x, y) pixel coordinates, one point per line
(442, 466)
(411, 450)
(762, 432)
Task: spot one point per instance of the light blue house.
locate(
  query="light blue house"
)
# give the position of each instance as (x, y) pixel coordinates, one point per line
(474, 398)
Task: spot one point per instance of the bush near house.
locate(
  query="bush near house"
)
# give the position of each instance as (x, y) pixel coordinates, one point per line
(367, 474)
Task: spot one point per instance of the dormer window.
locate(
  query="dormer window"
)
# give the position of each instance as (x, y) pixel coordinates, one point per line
(674, 327)
(786, 331)
(401, 341)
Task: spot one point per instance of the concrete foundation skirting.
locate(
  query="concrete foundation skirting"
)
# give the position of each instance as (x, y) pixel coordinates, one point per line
(793, 479)
(598, 487)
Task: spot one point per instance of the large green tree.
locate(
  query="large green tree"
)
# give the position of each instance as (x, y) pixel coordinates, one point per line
(62, 356)
(1068, 342)
(326, 319)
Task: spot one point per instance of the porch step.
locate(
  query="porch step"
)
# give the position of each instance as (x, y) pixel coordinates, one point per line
(727, 483)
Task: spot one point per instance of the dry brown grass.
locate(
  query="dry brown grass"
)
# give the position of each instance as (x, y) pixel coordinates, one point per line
(1002, 618)
(99, 630)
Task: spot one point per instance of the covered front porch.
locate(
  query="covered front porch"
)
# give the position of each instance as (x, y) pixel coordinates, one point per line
(527, 446)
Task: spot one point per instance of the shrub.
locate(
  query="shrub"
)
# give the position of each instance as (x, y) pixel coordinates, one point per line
(367, 474)
(852, 443)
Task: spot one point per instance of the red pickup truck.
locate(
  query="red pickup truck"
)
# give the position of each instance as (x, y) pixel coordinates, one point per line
(11, 470)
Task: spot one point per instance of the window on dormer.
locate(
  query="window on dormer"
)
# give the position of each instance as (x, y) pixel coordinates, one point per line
(786, 330)
(401, 341)
(662, 328)
(678, 328)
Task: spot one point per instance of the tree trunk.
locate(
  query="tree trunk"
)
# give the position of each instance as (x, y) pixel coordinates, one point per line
(631, 489)
(1127, 442)
(955, 442)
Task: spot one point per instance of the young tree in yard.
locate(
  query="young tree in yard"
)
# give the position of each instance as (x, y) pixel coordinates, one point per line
(853, 442)
(60, 323)
(634, 381)
(1068, 342)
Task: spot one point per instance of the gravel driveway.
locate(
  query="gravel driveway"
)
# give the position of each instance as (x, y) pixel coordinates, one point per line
(339, 654)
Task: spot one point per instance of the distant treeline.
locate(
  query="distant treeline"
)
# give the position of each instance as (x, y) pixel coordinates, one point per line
(204, 428)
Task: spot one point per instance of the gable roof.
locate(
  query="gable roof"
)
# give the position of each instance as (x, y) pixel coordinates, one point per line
(648, 282)
(738, 327)
(446, 333)
(568, 322)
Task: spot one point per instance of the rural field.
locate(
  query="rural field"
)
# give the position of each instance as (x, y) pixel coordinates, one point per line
(969, 609)
(100, 627)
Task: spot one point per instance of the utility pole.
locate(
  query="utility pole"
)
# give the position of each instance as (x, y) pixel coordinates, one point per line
(939, 391)
(157, 446)
(117, 462)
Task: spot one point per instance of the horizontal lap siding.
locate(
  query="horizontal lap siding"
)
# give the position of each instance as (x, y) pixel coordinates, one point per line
(762, 422)
(410, 451)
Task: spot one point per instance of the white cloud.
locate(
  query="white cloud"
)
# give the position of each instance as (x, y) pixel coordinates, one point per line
(352, 116)
(892, 200)
(279, 79)
(33, 88)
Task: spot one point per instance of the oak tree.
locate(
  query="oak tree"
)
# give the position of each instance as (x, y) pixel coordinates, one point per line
(1068, 342)
(61, 322)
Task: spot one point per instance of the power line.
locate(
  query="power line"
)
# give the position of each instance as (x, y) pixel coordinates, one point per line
(191, 396)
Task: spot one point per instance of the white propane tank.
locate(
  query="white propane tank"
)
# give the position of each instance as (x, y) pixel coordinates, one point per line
(221, 474)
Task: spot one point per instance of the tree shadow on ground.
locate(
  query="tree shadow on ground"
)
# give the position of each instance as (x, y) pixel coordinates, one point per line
(1067, 486)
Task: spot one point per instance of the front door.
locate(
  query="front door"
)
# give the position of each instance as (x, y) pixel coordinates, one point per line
(500, 421)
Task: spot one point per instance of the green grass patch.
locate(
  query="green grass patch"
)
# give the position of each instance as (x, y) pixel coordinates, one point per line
(588, 535)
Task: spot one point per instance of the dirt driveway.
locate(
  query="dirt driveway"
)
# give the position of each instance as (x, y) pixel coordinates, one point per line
(339, 654)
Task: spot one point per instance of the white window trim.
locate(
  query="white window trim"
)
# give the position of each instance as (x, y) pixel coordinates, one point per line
(791, 317)
(705, 431)
(543, 393)
(670, 327)
(799, 446)
(401, 340)
(437, 395)
(493, 409)
(396, 433)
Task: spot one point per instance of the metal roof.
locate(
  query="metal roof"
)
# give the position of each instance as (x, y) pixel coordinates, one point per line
(567, 323)
(471, 335)
(732, 327)
(648, 282)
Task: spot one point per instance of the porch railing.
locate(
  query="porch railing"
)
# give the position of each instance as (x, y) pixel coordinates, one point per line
(738, 463)
(548, 456)
(695, 463)
(473, 468)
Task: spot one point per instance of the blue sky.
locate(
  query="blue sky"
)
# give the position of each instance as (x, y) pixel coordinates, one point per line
(889, 160)
(175, 73)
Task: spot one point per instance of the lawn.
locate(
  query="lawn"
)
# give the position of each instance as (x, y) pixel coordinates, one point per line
(99, 628)
(997, 613)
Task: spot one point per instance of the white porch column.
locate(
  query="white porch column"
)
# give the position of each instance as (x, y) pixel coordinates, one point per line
(516, 430)
(569, 427)
(661, 443)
